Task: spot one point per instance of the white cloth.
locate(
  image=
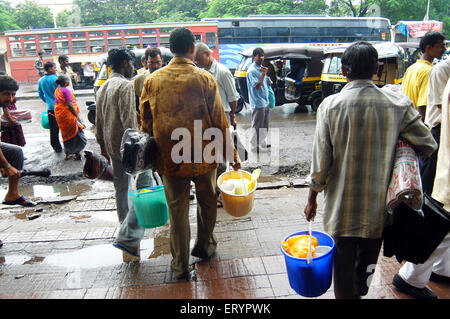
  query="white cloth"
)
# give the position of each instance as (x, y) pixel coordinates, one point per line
(68, 71)
(226, 83)
(417, 275)
(438, 78)
(441, 187)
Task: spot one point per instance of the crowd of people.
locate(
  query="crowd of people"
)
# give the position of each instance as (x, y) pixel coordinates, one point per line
(356, 134)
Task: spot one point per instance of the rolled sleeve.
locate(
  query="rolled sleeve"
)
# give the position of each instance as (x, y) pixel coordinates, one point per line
(229, 86)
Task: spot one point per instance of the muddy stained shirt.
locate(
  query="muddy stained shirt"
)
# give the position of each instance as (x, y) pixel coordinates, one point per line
(353, 152)
(115, 112)
(173, 98)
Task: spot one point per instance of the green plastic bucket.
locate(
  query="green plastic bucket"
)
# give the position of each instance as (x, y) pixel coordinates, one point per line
(44, 120)
(151, 206)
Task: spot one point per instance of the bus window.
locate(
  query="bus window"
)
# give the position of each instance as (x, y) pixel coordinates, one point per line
(247, 32)
(114, 32)
(79, 46)
(299, 32)
(276, 32)
(62, 47)
(16, 49)
(333, 32)
(164, 41)
(225, 33)
(30, 48)
(46, 46)
(78, 34)
(165, 30)
(44, 36)
(134, 42)
(29, 37)
(96, 33)
(114, 43)
(60, 35)
(148, 31)
(98, 44)
(130, 31)
(14, 38)
(149, 41)
(211, 40)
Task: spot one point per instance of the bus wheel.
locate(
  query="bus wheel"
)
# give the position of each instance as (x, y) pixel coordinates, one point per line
(240, 105)
(315, 103)
(91, 116)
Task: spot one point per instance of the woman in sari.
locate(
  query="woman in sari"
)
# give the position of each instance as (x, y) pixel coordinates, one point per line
(67, 116)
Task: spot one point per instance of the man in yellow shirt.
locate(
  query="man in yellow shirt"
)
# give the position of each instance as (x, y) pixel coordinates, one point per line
(180, 104)
(415, 80)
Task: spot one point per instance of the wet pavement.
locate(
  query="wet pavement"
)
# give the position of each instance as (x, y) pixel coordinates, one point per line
(63, 247)
(67, 252)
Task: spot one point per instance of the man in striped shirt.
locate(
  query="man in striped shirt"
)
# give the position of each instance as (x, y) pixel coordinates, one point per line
(353, 150)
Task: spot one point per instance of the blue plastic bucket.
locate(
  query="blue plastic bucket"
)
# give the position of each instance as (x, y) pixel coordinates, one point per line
(151, 207)
(314, 279)
(44, 120)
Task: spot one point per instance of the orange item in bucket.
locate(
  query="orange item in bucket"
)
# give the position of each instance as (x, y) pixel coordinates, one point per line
(297, 246)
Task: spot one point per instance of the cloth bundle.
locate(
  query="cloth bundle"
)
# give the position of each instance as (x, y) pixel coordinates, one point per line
(138, 151)
(96, 166)
(405, 185)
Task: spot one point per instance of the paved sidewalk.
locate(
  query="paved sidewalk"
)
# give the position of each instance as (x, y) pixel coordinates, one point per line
(67, 253)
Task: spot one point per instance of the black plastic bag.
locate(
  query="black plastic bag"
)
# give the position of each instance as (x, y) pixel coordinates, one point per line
(415, 234)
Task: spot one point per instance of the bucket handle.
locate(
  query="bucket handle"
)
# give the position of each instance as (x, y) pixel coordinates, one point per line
(308, 257)
(243, 183)
(156, 178)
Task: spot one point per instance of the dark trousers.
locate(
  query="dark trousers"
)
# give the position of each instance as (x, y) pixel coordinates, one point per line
(54, 132)
(354, 262)
(428, 171)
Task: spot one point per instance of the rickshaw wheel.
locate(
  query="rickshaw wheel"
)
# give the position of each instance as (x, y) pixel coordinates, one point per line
(91, 116)
(315, 103)
(240, 105)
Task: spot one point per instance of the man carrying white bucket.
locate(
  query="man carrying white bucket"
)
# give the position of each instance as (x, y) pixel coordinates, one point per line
(175, 99)
(354, 143)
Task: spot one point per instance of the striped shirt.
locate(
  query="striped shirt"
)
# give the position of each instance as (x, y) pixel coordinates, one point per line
(115, 112)
(353, 151)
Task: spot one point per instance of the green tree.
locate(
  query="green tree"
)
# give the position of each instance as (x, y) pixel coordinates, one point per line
(415, 10)
(182, 10)
(7, 21)
(352, 8)
(30, 15)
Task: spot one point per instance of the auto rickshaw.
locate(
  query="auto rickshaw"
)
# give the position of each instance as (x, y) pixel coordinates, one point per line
(392, 59)
(105, 70)
(294, 70)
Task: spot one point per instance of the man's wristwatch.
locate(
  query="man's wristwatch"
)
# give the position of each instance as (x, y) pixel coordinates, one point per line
(7, 167)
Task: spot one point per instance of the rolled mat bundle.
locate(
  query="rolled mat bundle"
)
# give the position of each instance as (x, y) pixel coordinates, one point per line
(96, 166)
(405, 185)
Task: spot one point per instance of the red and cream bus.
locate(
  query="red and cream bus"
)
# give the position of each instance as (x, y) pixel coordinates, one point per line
(85, 43)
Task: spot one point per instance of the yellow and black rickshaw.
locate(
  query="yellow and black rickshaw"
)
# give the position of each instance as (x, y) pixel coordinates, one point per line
(105, 71)
(392, 58)
(294, 70)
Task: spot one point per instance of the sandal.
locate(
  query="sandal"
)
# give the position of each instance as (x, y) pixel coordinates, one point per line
(20, 201)
(219, 203)
(68, 156)
(77, 157)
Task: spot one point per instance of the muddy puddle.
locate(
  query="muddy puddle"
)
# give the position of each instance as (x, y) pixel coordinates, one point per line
(92, 256)
(51, 191)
